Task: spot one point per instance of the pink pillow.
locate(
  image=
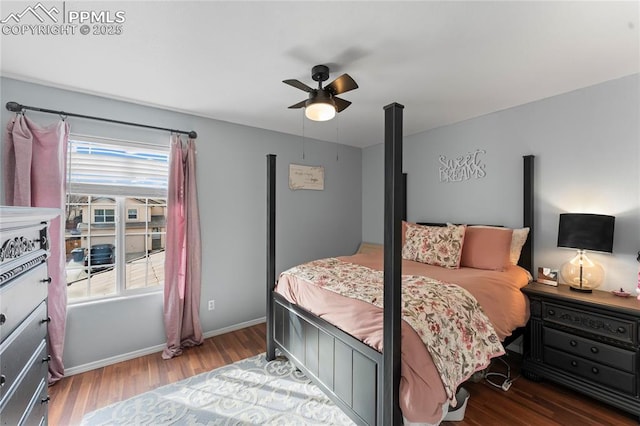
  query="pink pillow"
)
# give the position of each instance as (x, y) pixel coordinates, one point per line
(486, 248)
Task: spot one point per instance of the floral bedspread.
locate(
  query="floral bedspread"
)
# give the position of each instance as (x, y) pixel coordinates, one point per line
(448, 319)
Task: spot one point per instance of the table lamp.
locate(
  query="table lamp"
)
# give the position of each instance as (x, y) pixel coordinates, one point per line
(584, 231)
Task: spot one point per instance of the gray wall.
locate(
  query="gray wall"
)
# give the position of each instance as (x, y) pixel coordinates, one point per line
(587, 148)
(587, 154)
(231, 174)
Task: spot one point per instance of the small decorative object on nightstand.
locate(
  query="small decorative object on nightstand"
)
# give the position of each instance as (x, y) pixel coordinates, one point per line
(588, 342)
(638, 288)
(620, 293)
(584, 231)
(547, 276)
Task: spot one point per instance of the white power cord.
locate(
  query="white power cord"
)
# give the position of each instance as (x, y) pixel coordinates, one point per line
(490, 376)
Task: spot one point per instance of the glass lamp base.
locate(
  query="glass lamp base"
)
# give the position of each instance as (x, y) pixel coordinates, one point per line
(581, 274)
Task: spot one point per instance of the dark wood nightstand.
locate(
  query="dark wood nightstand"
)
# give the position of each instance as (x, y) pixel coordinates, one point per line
(588, 342)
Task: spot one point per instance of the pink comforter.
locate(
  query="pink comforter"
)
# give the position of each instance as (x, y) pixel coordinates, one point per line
(422, 393)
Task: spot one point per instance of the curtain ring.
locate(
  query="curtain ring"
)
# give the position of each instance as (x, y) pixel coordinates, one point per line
(63, 116)
(21, 112)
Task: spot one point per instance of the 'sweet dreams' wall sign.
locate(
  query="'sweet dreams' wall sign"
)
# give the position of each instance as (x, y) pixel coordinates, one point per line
(462, 168)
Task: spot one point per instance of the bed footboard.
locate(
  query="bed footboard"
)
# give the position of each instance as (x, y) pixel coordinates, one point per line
(347, 370)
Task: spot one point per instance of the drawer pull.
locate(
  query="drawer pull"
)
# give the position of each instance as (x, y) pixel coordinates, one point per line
(595, 370)
(573, 343)
(574, 363)
(47, 358)
(3, 319)
(622, 329)
(45, 320)
(46, 280)
(594, 350)
(3, 380)
(45, 400)
(551, 312)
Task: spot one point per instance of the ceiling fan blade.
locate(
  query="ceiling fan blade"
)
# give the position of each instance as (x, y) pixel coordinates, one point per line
(298, 85)
(342, 84)
(298, 105)
(341, 104)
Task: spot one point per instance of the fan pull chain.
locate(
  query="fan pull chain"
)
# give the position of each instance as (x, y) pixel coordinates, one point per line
(337, 137)
(303, 134)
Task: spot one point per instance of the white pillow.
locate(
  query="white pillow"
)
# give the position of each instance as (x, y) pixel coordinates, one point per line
(517, 241)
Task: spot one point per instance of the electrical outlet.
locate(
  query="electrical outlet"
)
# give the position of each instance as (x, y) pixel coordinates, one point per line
(212, 305)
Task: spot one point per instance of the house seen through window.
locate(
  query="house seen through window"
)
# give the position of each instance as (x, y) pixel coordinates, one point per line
(115, 227)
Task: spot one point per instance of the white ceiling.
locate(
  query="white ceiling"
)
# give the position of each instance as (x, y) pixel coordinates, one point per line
(445, 61)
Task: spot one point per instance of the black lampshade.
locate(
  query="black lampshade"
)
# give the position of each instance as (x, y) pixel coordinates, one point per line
(586, 231)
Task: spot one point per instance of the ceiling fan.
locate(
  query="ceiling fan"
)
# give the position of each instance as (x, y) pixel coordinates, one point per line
(323, 103)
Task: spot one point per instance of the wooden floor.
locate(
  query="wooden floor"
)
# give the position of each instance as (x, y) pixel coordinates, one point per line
(74, 396)
(526, 403)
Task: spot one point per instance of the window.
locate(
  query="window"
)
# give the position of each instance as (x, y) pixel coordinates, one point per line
(109, 180)
(104, 215)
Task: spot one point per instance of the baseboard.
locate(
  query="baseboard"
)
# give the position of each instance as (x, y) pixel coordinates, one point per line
(153, 349)
(234, 327)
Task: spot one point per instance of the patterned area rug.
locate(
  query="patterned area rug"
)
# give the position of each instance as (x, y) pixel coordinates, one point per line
(248, 392)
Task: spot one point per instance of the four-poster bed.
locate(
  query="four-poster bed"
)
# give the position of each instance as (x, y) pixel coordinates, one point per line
(361, 380)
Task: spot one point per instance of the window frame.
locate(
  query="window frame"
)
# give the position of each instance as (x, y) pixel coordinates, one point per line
(120, 218)
(104, 215)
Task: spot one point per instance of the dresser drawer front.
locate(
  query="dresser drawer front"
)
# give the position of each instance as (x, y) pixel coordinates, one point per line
(36, 413)
(586, 348)
(16, 351)
(15, 407)
(593, 371)
(22, 242)
(603, 325)
(20, 297)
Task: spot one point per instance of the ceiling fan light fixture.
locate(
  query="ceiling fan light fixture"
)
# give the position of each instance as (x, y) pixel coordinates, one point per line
(320, 110)
(323, 104)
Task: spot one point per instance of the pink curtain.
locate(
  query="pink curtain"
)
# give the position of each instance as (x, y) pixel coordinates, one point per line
(34, 175)
(182, 266)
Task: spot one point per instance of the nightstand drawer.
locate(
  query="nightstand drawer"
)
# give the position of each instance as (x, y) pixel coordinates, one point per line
(590, 349)
(609, 327)
(593, 371)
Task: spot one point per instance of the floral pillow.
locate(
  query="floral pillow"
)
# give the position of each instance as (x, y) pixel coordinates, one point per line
(434, 245)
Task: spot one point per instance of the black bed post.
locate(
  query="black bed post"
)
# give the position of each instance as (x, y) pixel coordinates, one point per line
(271, 252)
(393, 210)
(403, 216)
(528, 218)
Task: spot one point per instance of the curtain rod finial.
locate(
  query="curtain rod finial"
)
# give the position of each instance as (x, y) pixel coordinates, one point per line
(193, 134)
(14, 106)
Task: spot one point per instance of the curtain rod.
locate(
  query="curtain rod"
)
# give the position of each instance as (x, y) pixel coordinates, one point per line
(16, 107)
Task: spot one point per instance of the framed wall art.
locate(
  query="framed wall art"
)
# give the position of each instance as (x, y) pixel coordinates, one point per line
(306, 177)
